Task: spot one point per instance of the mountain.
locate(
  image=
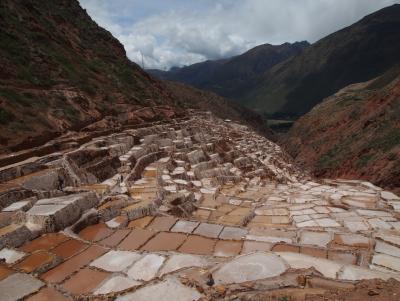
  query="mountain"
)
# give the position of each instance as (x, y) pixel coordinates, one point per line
(354, 54)
(192, 98)
(232, 77)
(61, 71)
(354, 133)
(286, 81)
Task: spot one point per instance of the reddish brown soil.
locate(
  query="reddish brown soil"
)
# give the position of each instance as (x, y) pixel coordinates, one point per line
(367, 290)
(353, 134)
(373, 290)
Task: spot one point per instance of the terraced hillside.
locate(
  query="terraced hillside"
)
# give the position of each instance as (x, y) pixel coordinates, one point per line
(191, 209)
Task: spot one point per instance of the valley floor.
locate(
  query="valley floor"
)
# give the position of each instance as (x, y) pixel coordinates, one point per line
(197, 208)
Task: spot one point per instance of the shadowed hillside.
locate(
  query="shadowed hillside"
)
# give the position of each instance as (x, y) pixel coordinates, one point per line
(354, 54)
(234, 76)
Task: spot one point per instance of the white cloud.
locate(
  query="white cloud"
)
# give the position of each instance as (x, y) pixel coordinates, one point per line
(178, 32)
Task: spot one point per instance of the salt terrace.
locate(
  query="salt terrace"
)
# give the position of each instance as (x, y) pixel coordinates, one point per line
(192, 209)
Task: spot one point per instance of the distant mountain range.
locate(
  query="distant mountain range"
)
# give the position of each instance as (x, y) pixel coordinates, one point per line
(232, 77)
(288, 80)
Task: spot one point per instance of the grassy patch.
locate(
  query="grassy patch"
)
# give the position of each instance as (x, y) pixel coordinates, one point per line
(355, 113)
(392, 156)
(63, 61)
(5, 116)
(19, 126)
(15, 98)
(385, 79)
(109, 98)
(390, 138)
(327, 160)
(97, 66)
(43, 121)
(71, 113)
(336, 155)
(126, 75)
(363, 160)
(10, 44)
(24, 99)
(330, 159)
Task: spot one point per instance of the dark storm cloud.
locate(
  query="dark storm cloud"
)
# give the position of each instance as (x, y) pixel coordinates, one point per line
(180, 32)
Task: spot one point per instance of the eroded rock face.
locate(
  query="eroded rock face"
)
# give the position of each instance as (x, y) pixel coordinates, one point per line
(195, 208)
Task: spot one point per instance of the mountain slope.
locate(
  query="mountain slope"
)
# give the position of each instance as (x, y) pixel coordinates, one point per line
(232, 77)
(354, 54)
(61, 71)
(190, 97)
(355, 132)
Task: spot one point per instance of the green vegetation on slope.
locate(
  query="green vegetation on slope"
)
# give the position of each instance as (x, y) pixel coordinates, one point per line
(60, 71)
(234, 76)
(354, 54)
(355, 132)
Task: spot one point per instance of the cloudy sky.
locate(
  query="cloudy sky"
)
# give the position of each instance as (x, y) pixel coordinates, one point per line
(182, 32)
